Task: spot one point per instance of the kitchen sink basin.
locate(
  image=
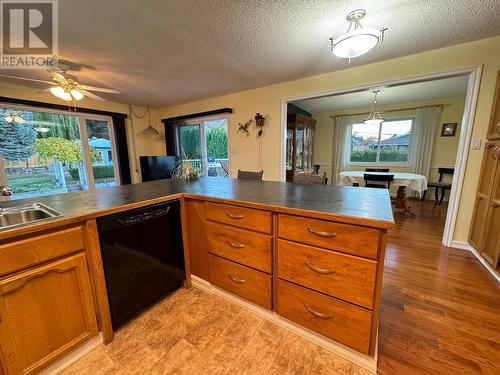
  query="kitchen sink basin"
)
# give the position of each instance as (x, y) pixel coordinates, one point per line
(19, 215)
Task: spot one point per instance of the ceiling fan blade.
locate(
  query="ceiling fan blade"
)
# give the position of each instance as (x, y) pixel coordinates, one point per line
(27, 79)
(100, 89)
(92, 96)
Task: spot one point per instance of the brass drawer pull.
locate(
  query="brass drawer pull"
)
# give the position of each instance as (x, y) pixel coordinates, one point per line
(498, 127)
(323, 271)
(317, 314)
(235, 245)
(236, 280)
(494, 205)
(234, 216)
(321, 233)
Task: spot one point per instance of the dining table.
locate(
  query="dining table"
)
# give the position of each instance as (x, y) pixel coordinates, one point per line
(403, 180)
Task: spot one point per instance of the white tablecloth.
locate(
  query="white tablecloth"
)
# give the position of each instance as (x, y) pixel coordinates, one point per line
(412, 181)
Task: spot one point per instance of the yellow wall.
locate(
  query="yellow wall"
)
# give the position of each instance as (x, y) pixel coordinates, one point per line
(444, 150)
(267, 100)
(143, 145)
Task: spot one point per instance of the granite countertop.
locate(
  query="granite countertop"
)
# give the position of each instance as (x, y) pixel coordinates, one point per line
(353, 204)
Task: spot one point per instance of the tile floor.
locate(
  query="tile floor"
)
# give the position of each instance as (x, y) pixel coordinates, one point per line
(192, 332)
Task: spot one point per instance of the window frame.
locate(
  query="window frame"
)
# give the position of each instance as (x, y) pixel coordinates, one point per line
(82, 117)
(378, 162)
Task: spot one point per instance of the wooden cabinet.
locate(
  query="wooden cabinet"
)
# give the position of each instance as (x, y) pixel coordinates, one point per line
(485, 234)
(494, 128)
(45, 313)
(196, 237)
(299, 144)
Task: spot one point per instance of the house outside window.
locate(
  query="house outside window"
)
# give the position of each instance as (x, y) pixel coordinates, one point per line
(386, 144)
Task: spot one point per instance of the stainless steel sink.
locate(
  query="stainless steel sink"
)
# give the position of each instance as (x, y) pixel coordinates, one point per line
(19, 215)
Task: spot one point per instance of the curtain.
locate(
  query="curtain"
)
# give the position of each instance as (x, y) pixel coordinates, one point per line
(122, 149)
(340, 146)
(424, 131)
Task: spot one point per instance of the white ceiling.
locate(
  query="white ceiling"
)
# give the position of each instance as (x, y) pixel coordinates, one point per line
(442, 88)
(170, 51)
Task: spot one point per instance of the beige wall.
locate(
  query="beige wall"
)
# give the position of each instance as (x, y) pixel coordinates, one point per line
(143, 145)
(267, 100)
(444, 150)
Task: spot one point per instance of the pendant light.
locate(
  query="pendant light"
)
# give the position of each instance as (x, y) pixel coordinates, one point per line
(357, 40)
(150, 130)
(374, 118)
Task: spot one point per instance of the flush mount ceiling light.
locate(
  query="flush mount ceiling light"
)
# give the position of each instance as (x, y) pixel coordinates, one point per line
(374, 118)
(11, 117)
(357, 40)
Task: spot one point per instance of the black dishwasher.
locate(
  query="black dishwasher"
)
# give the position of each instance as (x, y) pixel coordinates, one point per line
(143, 257)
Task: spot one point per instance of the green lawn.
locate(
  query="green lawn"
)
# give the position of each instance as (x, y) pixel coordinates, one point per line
(31, 182)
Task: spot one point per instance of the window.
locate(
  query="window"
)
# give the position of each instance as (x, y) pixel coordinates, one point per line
(42, 153)
(387, 143)
(204, 144)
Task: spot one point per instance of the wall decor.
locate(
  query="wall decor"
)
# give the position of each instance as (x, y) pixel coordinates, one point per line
(260, 122)
(243, 128)
(449, 129)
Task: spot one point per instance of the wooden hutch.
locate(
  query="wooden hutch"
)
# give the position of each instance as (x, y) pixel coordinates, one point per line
(299, 144)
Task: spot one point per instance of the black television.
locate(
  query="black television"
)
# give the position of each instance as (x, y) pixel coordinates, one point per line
(157, 167)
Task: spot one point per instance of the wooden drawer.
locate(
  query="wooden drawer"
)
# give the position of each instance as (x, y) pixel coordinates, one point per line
(343, 276)
(242, 246)
(252, 285)
(247, 218)
(21, 254)
(331, 235)
(348, 324)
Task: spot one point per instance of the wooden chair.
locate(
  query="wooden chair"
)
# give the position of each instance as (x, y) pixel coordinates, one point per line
(250, 175)
(310, 179)
(440, 186)
(385, 178)
(377, 170)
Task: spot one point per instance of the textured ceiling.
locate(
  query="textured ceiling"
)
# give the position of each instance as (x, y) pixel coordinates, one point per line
(170, 51)
(441, 88)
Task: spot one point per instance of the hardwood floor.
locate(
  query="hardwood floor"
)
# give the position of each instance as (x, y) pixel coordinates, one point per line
(440, 314)
(440, 309)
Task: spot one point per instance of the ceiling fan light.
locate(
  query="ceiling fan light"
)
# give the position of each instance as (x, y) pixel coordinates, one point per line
(356, 42)
(59, 92)
(76, 94)
(9, 118)
(18, 119)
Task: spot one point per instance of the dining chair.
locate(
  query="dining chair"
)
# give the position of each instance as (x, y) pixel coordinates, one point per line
(377, 170)
(310, 179)
(439, 186)
(385, 178)
(250, 175)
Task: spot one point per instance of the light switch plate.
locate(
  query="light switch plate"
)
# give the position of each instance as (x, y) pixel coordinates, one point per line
(476, 144)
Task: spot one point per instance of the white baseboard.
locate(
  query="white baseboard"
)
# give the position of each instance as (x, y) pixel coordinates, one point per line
(73, 356)
(367, 362)
(467, 246)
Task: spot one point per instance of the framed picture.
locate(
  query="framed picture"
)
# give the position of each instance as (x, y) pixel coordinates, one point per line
(449, 129)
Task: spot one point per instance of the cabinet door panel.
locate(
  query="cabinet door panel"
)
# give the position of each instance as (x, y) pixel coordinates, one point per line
(494, 128)
(484, 195)
(45, 313)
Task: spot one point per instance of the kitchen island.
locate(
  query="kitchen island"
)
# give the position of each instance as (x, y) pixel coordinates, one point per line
(311, 256)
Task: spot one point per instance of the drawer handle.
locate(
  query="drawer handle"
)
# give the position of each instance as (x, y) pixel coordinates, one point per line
(317, 314)
(234, 216)
(235, 245)
(494, 205)
(236, 280)
(323, 271)
(321, 233)
(498, 127)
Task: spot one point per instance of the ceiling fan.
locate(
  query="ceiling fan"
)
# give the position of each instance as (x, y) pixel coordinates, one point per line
(66, 86)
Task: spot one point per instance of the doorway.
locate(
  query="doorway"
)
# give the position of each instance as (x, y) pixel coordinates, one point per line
(472, 76)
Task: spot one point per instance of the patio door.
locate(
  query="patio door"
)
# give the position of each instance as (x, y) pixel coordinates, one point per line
(44, 152)
(100, 153)
(204, 144)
